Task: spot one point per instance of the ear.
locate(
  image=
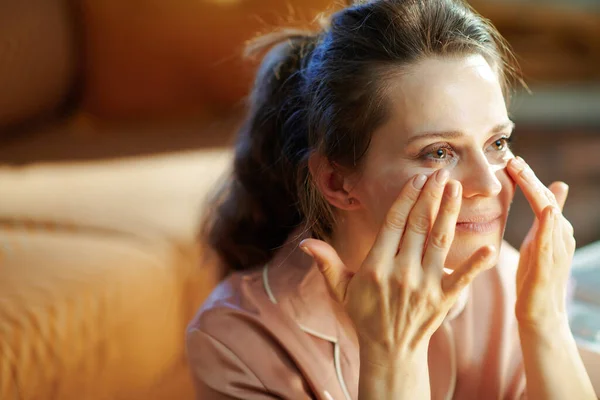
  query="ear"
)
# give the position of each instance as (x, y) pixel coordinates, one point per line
(332, 182)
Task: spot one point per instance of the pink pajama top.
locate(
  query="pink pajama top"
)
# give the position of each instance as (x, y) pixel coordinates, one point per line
(275, 333)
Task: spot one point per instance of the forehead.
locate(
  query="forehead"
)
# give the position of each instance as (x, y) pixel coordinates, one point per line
(446, 94)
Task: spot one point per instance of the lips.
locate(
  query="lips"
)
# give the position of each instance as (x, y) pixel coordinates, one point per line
(480, 218)
(481, 223)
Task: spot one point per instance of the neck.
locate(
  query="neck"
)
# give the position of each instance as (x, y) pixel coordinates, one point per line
(351, 242)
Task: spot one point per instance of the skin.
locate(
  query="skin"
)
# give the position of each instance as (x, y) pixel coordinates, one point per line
(397, 230)
(436, 95)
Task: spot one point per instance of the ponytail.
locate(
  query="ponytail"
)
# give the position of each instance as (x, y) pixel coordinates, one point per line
(328, 92)
(254, 212)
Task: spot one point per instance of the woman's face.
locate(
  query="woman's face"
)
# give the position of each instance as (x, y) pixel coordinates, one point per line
(445, 113)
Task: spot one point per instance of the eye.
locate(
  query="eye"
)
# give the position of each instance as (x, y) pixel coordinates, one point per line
(440, 154)
(501, 144)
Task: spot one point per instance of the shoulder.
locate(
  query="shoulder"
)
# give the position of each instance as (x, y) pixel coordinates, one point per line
(230, 336)
(220, 334)
(237, 302)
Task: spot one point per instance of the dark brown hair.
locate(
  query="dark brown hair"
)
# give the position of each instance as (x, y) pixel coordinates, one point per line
(325, 91)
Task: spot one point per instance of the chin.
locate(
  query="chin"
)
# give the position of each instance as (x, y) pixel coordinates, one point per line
(466, 243)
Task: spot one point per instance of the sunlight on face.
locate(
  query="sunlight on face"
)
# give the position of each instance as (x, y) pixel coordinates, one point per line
(445, 113)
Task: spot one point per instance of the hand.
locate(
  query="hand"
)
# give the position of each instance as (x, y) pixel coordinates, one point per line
(546, 253)
(399, 296)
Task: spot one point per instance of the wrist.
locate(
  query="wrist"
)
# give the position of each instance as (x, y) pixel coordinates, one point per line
(393, 374)
(555, 327)
(378, 355)
(550, 335)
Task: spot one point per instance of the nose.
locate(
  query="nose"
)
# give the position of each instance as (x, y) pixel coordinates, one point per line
(478, 177)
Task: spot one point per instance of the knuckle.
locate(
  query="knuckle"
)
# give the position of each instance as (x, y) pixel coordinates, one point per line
(523, 174)
(546, 249)
(410, 282)
(440, 240)
(434, 194)
(377, 277)
(403, 278)
(434, 298)
(396, 220)
(412, 194)
(451, 207)
(419, 223)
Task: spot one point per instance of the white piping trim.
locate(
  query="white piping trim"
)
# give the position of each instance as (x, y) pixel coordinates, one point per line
(265, 277)
(453, 373)
(336, 346)
(317, 334)
(338, 370)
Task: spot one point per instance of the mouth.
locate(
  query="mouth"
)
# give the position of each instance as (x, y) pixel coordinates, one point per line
(482, 223)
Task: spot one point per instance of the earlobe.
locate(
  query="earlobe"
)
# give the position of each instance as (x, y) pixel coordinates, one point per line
(330, 183)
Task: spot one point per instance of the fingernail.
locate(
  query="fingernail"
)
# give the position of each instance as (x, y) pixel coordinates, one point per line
(419, 181)
(306, 250)
(442, 176)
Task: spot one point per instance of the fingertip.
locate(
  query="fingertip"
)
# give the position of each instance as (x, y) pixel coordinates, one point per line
(563, 186)
(305, 249)
(516, 163)
(419, 181)
(488, 253)
(564, 189)
(304, 243)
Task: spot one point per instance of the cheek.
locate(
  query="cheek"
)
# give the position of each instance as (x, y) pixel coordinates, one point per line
(508, 187)
(378, 191)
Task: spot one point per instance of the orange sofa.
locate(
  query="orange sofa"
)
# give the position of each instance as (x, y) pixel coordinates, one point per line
(99, 265)
(99, 275)
(107, 112)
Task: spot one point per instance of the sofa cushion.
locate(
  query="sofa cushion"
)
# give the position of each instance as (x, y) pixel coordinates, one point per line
(96, 314)
(37, 57)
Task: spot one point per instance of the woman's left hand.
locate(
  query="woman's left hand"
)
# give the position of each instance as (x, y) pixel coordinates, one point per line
(545, 255)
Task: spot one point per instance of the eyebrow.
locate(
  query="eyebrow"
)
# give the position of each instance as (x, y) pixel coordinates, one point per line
(455, 134)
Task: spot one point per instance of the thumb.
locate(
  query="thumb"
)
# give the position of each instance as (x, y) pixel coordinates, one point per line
(334, 271)
(560, 191)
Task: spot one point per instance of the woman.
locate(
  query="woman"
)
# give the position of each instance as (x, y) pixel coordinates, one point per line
(364, 223)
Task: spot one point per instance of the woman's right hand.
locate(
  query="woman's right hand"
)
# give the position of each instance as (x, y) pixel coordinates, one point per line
(400, 295)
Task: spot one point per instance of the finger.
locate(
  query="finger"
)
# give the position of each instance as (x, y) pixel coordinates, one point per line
(543, 245)
(442, 233)
(336, 274)
(538, 195)
(481, 260)
(560, 191)
(388, 239)
(559, 246)
(420, 220)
